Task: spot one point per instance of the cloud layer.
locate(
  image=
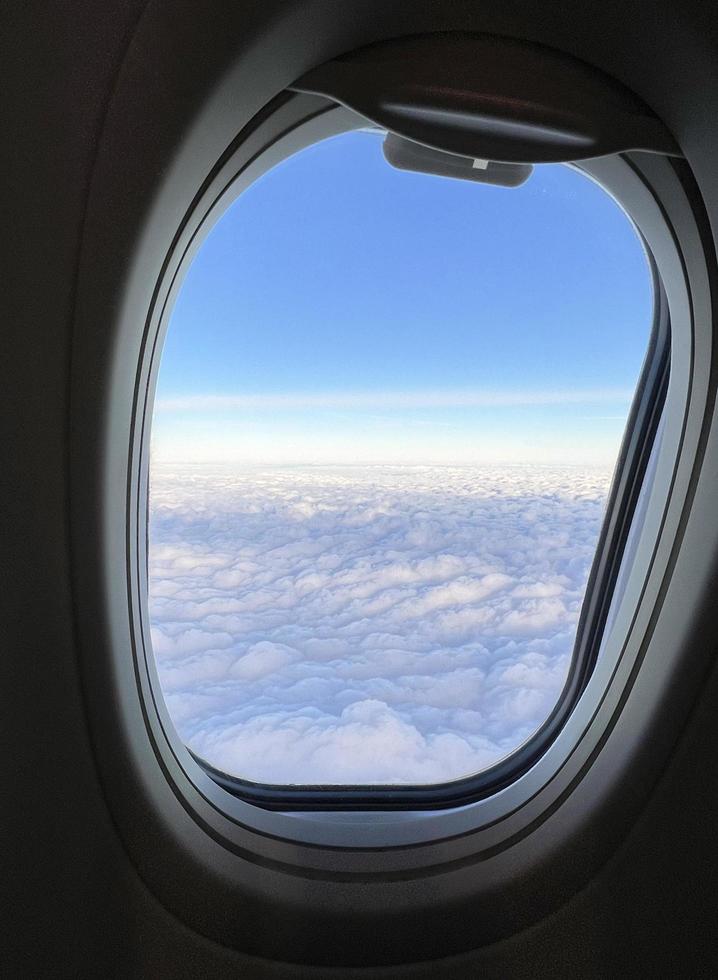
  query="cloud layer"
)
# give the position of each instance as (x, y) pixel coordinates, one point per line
(389, 400)
(366, 625)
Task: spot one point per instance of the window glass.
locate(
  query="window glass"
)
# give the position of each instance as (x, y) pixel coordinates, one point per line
(389, 407)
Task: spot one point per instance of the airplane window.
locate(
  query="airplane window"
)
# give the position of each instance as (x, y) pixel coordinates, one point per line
(388, 411)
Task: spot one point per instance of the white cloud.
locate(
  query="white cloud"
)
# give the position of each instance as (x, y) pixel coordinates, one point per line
(370, 625)
(261, 660)
(392, 400)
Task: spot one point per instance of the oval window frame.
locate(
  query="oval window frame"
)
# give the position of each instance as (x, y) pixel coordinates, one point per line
(293, 122)
(242, 877)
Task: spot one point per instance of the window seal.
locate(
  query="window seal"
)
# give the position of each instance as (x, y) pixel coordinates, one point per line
(291, 122)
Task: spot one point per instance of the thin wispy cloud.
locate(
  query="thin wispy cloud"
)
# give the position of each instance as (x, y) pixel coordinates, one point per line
(390, 400)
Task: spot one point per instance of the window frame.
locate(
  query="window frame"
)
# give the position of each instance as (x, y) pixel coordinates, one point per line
(370, 891)
(290, 123)
(634, 453)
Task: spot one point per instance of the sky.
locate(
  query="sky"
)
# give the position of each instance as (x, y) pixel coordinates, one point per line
(341, 311)
(388, 411)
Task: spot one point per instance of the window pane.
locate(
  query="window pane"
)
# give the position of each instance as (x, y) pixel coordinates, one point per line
(388, 411)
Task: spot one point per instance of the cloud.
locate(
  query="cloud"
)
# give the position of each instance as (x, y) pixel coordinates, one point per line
(390, 400)
(262, 660)
(366, 625)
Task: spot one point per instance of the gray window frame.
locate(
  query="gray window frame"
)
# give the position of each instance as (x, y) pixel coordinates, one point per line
(369, 888)
(292, 122)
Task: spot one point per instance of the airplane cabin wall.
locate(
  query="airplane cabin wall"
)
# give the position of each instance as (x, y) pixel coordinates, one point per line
(73, 905)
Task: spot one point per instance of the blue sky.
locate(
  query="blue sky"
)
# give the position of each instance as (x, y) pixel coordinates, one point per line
(341, 311)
